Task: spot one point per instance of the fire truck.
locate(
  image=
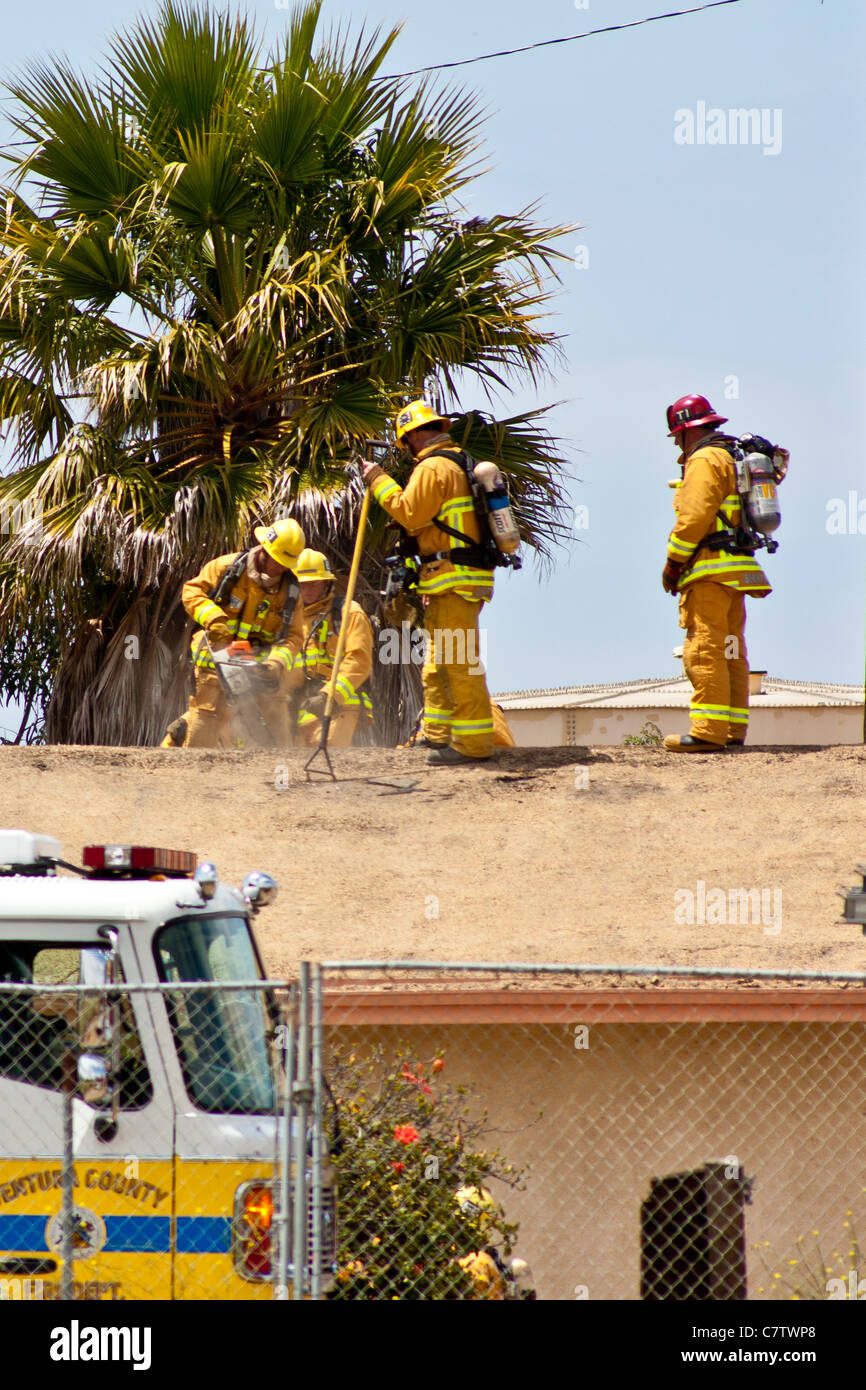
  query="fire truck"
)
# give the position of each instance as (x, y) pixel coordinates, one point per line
(144, 1153)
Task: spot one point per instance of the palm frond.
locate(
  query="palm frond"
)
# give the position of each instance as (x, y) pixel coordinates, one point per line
(83, 163)
(220, 271)
(184, 68)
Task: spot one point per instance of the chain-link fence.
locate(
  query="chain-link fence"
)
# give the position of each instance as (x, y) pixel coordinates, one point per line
(656, 1134)
(150, 1136)
(463, 1132)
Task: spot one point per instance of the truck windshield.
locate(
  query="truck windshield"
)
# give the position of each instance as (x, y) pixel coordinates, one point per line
(221, 1035)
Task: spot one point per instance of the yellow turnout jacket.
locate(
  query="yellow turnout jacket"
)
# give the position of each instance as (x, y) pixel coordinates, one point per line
(251, 613)
(709, 487)
(437, 487)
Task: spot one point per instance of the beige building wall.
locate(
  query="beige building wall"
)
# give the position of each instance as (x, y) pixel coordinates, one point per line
(591, 727)
(537, 728)
(595, 1124)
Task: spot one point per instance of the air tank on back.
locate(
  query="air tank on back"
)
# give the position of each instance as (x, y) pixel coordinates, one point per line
(761, 498)
(502, 524)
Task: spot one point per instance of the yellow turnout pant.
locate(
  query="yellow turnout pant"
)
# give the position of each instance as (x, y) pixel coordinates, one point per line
(209, 718)
(456, 700)
(716, 661)
(502, 735)
(340, 733)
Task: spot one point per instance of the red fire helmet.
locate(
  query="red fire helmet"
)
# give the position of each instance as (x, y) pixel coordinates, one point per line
(689, 411)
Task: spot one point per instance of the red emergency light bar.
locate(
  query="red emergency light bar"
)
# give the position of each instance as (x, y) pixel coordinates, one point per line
(130, 861)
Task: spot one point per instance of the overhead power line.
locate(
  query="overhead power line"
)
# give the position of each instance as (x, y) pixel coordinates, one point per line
(548, 43)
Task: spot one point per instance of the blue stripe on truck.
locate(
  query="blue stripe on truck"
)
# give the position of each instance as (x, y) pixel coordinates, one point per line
(135, 1234)
(22, 1233)
(196, 1235)
(204, 1235)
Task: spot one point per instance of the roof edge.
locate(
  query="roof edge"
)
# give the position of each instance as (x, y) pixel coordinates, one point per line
(448, 1007)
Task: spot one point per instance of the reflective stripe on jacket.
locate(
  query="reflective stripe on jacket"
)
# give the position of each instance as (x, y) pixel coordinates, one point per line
(438, 486)
(319, 646)
(709, 486)
(251, 613)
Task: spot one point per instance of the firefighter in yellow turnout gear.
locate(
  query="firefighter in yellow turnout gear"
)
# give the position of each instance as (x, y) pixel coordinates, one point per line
(712, 583)
(495, 1277)
(458, 721)
(248, 596)
(324, 613)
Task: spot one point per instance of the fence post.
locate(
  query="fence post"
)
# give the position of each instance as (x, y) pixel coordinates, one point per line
(318, 1138)
(284, 1220)
(303, 1096)
(68, 1177)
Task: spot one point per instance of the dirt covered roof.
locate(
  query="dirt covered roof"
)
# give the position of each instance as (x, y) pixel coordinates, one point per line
(565, 855)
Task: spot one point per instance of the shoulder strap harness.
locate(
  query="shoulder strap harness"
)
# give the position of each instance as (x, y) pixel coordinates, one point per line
(221, 591)
(737, 540)
(483, 554)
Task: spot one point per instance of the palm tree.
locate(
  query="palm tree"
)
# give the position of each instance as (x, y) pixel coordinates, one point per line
(220, 272)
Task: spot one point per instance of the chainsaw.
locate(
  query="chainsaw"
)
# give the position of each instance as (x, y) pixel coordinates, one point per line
(235, 668)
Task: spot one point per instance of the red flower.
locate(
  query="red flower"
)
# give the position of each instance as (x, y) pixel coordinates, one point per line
(438, 1063)
(414, 1080)
(405, 1134)
(398, 1167)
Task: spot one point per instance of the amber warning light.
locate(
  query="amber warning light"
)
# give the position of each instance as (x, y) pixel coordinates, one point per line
(254, 1215)
(128, 861)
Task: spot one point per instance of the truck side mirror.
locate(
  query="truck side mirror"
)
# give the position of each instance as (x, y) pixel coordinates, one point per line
(98, 1071)
(93, 1078)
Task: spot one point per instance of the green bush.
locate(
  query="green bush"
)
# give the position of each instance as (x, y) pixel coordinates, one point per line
(406, 1142)
(650, 736)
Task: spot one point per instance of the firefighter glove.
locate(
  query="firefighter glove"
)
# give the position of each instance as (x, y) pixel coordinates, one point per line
(671, 575)
(370, 471)
(219, 633)
(267, 674)
(400, 609)
(317, 704)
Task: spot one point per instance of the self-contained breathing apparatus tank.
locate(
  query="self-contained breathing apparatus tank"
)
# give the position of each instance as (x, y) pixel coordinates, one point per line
(759, 466)
(499, 542)
(757, 474)
(494, 495)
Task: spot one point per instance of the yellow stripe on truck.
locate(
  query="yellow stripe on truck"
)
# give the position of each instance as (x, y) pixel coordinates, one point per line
(123, 1225)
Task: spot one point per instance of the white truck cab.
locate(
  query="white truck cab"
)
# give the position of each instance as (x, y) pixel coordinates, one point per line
(175, 1092)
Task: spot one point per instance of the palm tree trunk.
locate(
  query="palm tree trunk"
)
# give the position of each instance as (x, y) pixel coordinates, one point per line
(121, 683)
(27, 708)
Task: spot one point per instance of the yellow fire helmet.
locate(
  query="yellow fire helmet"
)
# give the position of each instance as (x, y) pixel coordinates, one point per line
(311, 566)
(283, 541)
(478, 1205)
(415, 416)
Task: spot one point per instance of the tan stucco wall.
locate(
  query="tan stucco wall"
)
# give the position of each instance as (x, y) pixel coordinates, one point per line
(835, 724)
(643, 1101)
(533, 728)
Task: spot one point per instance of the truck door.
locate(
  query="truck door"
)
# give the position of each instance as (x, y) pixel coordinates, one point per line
(222, 1071)
(122, 1125)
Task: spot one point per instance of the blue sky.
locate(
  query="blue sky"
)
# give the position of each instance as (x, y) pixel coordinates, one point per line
(711, 267)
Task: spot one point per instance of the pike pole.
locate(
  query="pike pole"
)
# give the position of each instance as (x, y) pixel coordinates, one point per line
(341, 647)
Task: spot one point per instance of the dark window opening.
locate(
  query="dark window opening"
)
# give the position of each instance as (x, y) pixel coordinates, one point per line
(39, 1031)
(693, 1241)
(223, 1038)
